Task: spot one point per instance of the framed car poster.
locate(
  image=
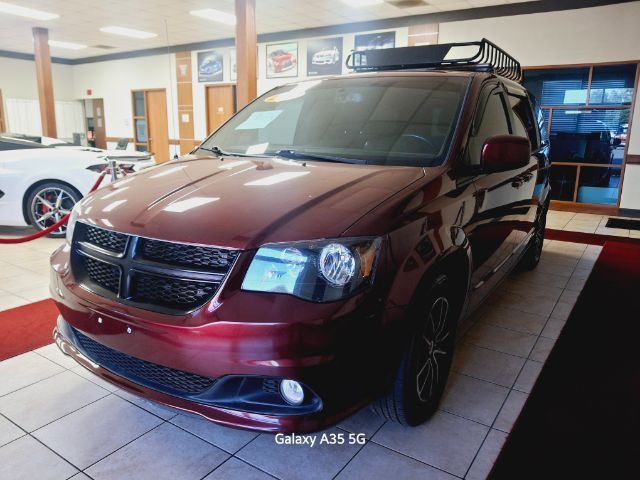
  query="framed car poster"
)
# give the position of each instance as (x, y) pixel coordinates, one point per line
(324, 56)
(282, 60)
(210, 66)
(375, 41)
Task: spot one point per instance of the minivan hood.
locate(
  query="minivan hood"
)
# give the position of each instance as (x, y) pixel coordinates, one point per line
(243, 202)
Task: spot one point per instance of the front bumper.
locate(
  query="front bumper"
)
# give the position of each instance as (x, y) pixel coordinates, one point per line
(340, 358)
(67, 340)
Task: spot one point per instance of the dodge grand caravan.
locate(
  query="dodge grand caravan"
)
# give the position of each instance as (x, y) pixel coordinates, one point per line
(318, 250)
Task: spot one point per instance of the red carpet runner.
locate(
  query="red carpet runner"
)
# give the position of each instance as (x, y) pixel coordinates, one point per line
(582, 419)
(26, 328)
(591, 238)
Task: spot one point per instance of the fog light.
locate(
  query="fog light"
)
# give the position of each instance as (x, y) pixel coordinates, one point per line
(292, 392)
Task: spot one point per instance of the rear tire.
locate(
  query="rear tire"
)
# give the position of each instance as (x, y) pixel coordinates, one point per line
(424, 369)
(48, 203)
(531, 257)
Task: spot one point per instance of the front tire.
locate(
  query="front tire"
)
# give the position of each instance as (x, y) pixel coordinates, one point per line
(424, 369)
(48, 203)
(531, 257)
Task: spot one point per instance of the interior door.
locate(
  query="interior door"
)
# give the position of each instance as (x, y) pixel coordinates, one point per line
(158, 124)
(3, 125)
(221, 105)
(100, 130)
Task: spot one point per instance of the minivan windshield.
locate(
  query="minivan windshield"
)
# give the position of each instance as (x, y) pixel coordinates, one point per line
(391, 120)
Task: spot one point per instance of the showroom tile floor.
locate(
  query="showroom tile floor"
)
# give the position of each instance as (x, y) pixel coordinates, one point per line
(58, 421)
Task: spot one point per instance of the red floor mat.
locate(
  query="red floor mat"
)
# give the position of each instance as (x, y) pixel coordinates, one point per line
(590, 238)
(583, 416)
(26, 328)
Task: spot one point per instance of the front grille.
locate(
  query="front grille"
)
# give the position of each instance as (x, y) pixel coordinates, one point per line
(271, 385)
(155, 275)
(114, 241)
(161, 290)
(145, 373)
(187, 255)
(104, 274)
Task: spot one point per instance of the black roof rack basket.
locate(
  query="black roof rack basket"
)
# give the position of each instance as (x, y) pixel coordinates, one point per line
(489, 57)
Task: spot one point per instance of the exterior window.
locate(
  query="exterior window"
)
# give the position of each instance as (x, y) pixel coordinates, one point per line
(587, 112)
(612, 85)
(491, 121)
(559, 86)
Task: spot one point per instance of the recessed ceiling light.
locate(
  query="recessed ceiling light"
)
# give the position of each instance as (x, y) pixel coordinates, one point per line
(215, 15)
(26, 12)
(67, 45)
(128, 32)
(362, 3)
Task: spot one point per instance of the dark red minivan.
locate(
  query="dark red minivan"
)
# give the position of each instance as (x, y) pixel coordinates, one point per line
(317, 251)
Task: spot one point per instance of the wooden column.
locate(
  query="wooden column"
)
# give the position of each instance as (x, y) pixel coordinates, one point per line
(246, 52)
(185, 102)
(45, 82)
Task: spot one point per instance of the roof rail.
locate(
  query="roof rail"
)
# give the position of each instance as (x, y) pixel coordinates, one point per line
(489, 57)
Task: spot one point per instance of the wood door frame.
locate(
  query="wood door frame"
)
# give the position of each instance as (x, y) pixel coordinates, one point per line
(146, 113)
(3, 122)
(206, 100)
(95, 123)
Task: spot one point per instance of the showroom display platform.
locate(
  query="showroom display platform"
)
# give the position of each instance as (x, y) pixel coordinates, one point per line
(58, 419)
(586, 402)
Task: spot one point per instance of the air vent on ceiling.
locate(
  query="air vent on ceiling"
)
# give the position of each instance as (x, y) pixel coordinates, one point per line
(102, 47)
(408, 3)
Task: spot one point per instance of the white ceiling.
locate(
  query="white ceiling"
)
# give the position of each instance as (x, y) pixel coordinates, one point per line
(80, 20)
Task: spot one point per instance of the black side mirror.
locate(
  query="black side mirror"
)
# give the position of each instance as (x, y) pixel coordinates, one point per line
(505, 152)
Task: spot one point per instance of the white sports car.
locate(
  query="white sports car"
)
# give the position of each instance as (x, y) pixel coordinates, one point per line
(39, 185)
(329, 56)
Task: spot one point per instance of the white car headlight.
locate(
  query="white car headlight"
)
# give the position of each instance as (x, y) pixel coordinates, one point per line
(71, 223)
(319, 270)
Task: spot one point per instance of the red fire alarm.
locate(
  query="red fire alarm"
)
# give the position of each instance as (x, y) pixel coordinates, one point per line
(89, 92)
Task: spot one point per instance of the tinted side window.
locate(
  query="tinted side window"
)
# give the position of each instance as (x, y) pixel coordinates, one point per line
(524, 124)
(490, 121)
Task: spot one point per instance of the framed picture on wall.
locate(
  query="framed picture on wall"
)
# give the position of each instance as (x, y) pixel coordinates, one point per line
(375, 41)
(210, 66)
(324, 56)
(282, 60)
(233, 65)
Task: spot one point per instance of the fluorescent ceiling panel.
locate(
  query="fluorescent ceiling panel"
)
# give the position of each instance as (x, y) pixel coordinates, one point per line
(26, 12)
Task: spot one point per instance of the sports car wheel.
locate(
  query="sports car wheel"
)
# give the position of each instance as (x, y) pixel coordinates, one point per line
(49, 203)
(424, 369)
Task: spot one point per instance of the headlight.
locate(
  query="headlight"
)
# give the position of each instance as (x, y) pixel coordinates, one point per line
(319, 270)
(71, 224)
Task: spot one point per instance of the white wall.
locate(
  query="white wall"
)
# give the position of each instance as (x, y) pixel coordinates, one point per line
(114, 80)
(630, 197)
(18, 79)
(589, 35)
(20, 94)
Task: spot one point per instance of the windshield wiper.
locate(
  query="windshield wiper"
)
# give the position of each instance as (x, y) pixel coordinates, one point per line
(219, 152)
(298, 155)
